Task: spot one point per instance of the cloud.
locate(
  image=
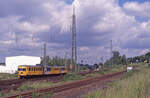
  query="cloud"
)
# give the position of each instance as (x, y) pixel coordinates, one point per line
(138, 9)
(26, 25)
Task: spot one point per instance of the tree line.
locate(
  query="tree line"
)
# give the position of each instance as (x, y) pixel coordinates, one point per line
(56, 61)
(142, 58)
(117, 59)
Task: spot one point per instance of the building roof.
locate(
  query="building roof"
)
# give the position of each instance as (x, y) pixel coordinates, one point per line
(22, 56)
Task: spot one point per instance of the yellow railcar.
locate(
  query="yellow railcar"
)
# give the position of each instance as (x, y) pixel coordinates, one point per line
(26, 71)
(55, 70)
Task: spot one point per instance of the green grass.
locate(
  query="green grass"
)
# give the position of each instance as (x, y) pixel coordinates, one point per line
(73, 76)
(134, 84)
(31, 86)
(35, 85)
(5, 76)
(1, 94)
(107, 70)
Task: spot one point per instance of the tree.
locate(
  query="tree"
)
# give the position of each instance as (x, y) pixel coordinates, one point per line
(117, 59)
(56, 61)
(123, 60)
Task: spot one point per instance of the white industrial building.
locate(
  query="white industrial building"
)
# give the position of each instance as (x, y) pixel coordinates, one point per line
(12, 63)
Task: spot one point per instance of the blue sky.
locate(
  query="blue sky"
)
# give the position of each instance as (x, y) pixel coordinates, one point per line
(121, 2)
(26, 25)
(124, 1)
(69, 1)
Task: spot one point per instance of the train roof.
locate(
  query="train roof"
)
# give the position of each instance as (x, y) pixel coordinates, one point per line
(56, 66)
(42, 66)
(28, 66)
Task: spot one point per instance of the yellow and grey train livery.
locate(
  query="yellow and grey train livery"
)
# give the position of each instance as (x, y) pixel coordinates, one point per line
(25, 71)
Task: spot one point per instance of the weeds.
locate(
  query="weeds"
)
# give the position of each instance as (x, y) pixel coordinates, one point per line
(49, 95)
(35, 95)
(132, 85)
(72, 76)
(1, 94)
(5, 76)
(25, 87)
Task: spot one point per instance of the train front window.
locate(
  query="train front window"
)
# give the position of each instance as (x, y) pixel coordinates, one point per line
(21, 69)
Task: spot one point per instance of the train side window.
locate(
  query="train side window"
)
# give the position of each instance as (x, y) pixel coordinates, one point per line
(48, 69)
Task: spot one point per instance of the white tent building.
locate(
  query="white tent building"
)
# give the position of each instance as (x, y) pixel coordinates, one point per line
(12, 63)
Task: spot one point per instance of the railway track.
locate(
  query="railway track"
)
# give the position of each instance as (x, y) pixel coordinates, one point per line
(15, 83)
(66, 86)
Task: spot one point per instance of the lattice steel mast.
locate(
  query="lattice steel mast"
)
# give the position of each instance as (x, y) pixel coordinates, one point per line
(111, 53)
(74, 48)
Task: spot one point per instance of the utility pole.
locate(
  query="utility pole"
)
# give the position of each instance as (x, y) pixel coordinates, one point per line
(66, 60)
(102, 60)
(44, 52)
(44, 55)
(74, 48)
(16, 38)
(111, 53)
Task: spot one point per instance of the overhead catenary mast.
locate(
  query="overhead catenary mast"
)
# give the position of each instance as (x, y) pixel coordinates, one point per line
(74, 48)
(111, 53)
(44, 55)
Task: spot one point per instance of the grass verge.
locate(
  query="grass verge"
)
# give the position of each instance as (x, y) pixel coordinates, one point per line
(6, 76)
(134, 84)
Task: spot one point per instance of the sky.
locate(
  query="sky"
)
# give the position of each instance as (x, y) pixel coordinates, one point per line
(25, 25)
